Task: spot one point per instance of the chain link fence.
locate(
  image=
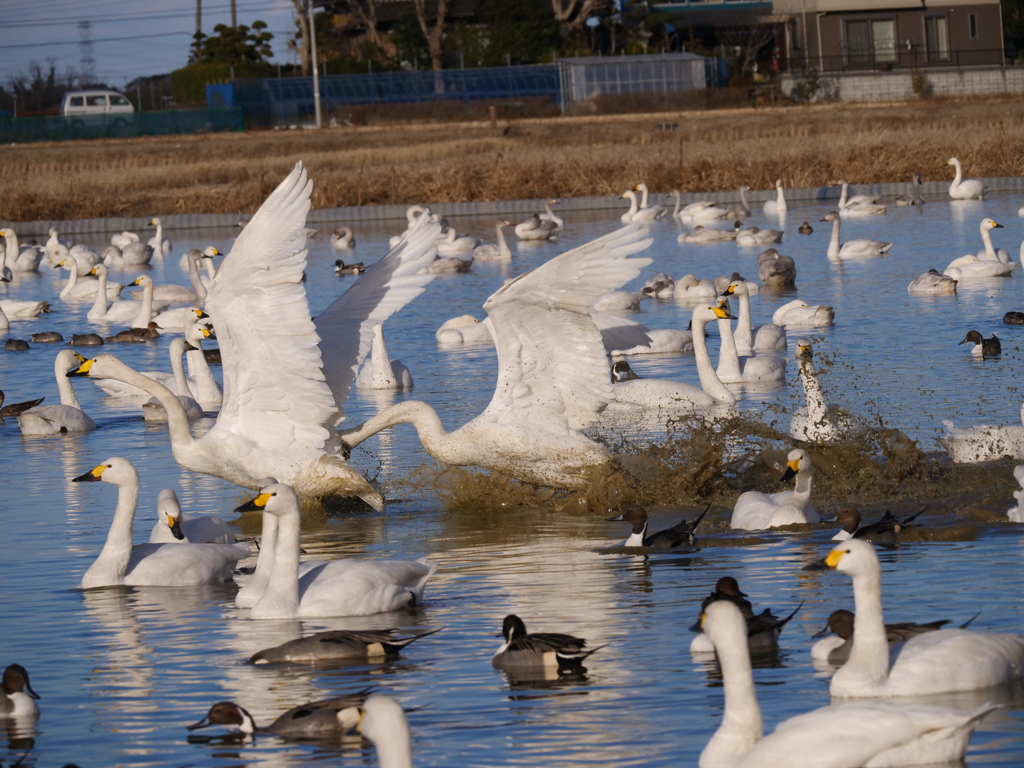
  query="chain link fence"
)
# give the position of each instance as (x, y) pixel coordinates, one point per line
(55, 128)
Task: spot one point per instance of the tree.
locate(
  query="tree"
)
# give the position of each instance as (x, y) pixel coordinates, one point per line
(365, 12)
(573, 14)
(302, 44)
(435, 34)
(237, 45)
(753, 34)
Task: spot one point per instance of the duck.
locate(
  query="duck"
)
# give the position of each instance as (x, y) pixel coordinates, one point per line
(464, 329)
(631, 390)
(845, 735)
(965, 189)
(339, 645)
(799, 314)
(536, 228)
(384, 723)
(690, 288)
(138, 314)
(312, 720)
(135, 335)
(859, 205)
(883, 531)
(552, 379)
(983, 347)
(675, 537)
(77, 288)
(342, 239)
(150, 565)
(1013, 318)
(734, 368)
(157, 242)
(750, 340)
(153, 410)
(523, 650)
(492, 252)
(381, 372)
(756, 511)
(778, 205)
(173, 525)
(815, 421)
(46, 337)
(763, 629)
(341, 268)
(660, 286)
(17, 699)
(63, 418)
(124, 238)
(984, 442)
(339, 587)
(1015, 514)
(13, 409)
(776, 270)
(130, 255)
(448, 266)
(16, 258)
(701, 235)
(914, 196)
(751, 237)
(648, 212)
(806, 228)
(453, 245)
(934, 283)
(861, 248)
(86, 340)
(944, 661)
(16, 345)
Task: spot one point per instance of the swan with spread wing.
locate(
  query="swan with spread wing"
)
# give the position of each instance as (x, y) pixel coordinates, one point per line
(552, 372)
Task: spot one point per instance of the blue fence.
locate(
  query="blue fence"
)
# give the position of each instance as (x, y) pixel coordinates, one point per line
(26, 129)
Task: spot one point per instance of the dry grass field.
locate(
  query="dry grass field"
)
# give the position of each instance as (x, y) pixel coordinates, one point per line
(555, 157)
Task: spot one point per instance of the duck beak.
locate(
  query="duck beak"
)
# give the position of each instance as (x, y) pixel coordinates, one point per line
(91, 476)
(256, 505)
(614, 519)
(826, 631)
(82, 370)
(201, 724)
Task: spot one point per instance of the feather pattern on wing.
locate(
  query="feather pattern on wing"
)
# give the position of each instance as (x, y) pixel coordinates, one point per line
(542, 642)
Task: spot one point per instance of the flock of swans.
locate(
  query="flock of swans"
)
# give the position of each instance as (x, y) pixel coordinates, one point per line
(279, 431)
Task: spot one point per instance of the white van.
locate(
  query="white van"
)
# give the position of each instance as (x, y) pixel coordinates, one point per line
(95, 103)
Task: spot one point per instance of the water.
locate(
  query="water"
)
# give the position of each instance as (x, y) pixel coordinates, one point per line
(122, 671)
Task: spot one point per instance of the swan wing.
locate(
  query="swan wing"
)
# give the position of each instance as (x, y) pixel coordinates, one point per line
(346, 326)
(619, 333)
(552, 367)
(275, 393)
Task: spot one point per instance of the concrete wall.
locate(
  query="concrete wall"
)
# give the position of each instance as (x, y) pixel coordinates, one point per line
(898, 86)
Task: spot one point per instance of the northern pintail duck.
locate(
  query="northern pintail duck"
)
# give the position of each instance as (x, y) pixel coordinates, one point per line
(540, 649)
(46, 337)
(14, 409)
(763, 629)
(341, 268)
(837, 636)
(983, 347)
(17, 699)
(670, 538)
(338, 645)
(312, 720)
(883, 531)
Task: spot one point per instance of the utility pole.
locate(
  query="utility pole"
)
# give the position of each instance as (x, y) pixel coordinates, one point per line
(234, 14)
(316, 74)
(199, 18)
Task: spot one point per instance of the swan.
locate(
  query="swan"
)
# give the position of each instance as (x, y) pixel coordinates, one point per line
(283, 390)
(914, 196)
(932, 282)
(523, 650)
(412, 215)
(174, 526)
(837, 636)
(383, 722)
(57, 252)
(678, 535)
(847, 735)
(1016, 513)
(861, 248)
(703, 212)
(659, 286)
(153, 411)
(452, 245)
(58, 419)
(983, 347)
(965, 189)
(448, 266)
(702, 235)
(550, 215)
(630, 389)
(536, 228)
(742, 211)
(944, 661)
(778, 205)
(689, 288)
(150, 565)
(160, 246)
(816, 422)
(618, 301)
(178, 319)
(211, 270)
(84, 289)
(755, 511)
(130, 255)
(752, 237)
(733, 368)
(19, 309)
(750, 340)
(137, 314)
(655, 211)
(626, 337)
(339, 587)
(983, 442)
(464, 329)
(381, 372)
(491, 252)
(798, 314)
(552, 379)
(776, 270)
(969, 267)
(635, 213)
(859, 205)
(722, 282)
(201, 380)
(342, 239)
(990, 253)
(17, 699)
(17, 259)
(123, 239)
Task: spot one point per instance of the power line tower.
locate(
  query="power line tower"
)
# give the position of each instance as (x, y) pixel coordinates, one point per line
(87, 64)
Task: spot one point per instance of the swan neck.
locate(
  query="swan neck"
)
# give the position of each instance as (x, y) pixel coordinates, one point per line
(632, 203)
(742, 725)
(436, 441)
(643, 200)
(503, 248)
(180, 382)
(728, 357)
(112, 563)
(177, 419)
(254, 589)
(990, 251)
(383, 375)
(193, 277)
(146, 313)
(842, 197)
(64, 386)
(100, 304)
(816, 409)
(199, 369)
(959, 174)
(781, 198)
(743, 199)
(679, 204)
(833, 245)
(709, 380)
(869, 656)
(282, 592)
(744, 336)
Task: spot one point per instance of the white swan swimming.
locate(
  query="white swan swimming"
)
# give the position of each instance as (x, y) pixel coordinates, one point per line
(130, 255)
(77, 288)
(178, 319)
(659, 286)
(124, 238)
(153, 411)
(58, 419)
(552, 379)
(157, 242)
(20, 309)
(859, 205)
(965, 189)
(752, 237)
(971, 267)
(689, 288)
(815, 421)
(990, 252)
(847, 735)
(983, 442)
(651, 212)
(536, 228)
(861, 248)
(638, 214)
(342, 239)
(201, 380)
(776, 270)
(550, 215)
(137, 314)
(751, 340)
(150, 565)
(453, 245)
(733, 368)
(934, 283)
(16, 258)
(944, 661)
(778, 205)
(799, 314)
(495, 252)
(174, 526)
(755, 511)
(629, 389)
(379, 371)
(464, 329)
(339, 587)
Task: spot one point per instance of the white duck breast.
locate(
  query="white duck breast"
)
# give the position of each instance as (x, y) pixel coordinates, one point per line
(984, 442)
(861, 248)
(756, 511)
(58, 419)
(194, 529)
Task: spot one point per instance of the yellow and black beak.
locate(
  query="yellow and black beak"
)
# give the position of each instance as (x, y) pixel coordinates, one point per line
(83, 369)
(723, 314)
(93, 271)
(829, 563)
(995, 225)
(58, 265)
(200, 314)
(791, 469)
(137, 281)
(804, 351)
(698, 625)
(209, 333)
(174, 523)
(730, 290)
(256, 505)
(91, 476)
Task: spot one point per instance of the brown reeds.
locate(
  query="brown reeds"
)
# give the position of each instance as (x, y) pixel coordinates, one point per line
(690, 151)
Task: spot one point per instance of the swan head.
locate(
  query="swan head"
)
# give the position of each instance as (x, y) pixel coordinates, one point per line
(169, 511)
(211, 251)
(744, 188)
(703, 313)
(15, 680)
(839, 623)
(855, 557)
(987, 224)
(803, 350)
(641, 187)
(115, 470)
(723, 623)
(737, 287)
(952, 161)
(277, 499)
(226, 713)
(196, 334)
(383, 721)
(144, 280)
(830, 216)
(629, 194)
(778, 183)
(154, 222)
(798, 463)
(622, 372)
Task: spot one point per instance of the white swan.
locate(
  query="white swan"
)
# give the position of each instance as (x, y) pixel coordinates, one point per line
(170, 292)
(173, 526)
(848, 735)
(630, 389)
(655, 211)
(965, 189)
(983, 442)
(797, 314)
(701, 235)
(751, 237)
(150, 565)
(859, 205)
(77, 288)
(339, 587)
(20, 309)
(861, 248)
(618, 301)
(536, 228)
(201, 380)
(379, 371)
(1016, 513)
(971, 267)
(412, 215)
(932, 282)
(709, 381)
(943, 661)
(990, 252)
(622, 336)
(815, 421)
(453, 245)
(342, 239)
(689, 288)
(750, 340)
(211, 270)
(86, 258)
(550, 215)
(552, 378)
(776, 270)
(130, 255)
(17, 259)
(58, 419)
(382, 721)
(734, 368)
(742, 211)
(755, 511)
(137, 314)
(778, 205)
(153, 411)
(178, 319)
(157, 242)
(123, 239)
(464, 329)
(659, 286)
(492, 252)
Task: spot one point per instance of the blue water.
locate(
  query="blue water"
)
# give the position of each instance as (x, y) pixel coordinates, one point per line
(122, 671)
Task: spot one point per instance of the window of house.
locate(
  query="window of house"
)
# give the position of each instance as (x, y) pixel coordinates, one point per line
(870, 41)
(972, 25)
(936, 37)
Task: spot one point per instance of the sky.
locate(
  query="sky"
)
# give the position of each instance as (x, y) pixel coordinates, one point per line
(129, 38)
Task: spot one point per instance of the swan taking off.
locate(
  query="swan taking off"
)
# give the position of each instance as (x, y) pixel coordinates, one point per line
(816, 422)
(552, 374)
(965, 189)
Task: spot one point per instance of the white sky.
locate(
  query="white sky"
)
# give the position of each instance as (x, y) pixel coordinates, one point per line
(129, 38)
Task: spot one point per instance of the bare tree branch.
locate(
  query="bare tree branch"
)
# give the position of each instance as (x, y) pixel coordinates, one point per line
(435, 34)
(367, 17)
(302, 46)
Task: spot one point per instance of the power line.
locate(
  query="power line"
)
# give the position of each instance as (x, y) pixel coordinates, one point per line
(124, 39)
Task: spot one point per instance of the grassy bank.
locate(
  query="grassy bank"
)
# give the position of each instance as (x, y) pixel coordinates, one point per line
(556, 157)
